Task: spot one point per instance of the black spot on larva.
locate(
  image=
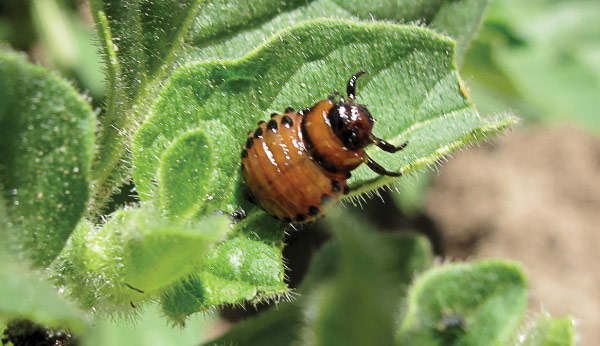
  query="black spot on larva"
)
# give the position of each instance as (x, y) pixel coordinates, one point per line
(287, 219)
(348, 175)
(300, 217)
(244, 154)
(287, 121)
(258, 133)
(272, 125)
(329, 167)
(289, 109)
(242, 166)
(249, 143)
(346, 190)
(335, 186)
(313, 211)
(260, 122)
(273, 115)
(325, 198)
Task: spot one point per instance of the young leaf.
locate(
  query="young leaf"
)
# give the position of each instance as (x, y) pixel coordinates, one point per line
(185, 173)
(235, 95)
(479, 303)
(237, 270)
(246, 267)
(412, 88)
(549, 331)
(132, 256)
(46, 146)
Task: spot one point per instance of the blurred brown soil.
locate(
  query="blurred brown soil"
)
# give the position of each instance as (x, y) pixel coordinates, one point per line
(534, 197)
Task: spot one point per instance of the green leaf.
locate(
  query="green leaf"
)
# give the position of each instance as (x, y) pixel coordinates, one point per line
(283, 325)
(145, 41)
(412, 89)
(479, 303)
(185, 173)
(46, 145)
(246, 267)
(219, 32)
(550, 331)
(133, 256)
(237, 270)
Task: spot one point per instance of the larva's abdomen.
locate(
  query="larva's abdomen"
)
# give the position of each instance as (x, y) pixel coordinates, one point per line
(281, 175)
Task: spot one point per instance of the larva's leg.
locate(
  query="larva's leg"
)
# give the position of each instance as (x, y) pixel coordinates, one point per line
(386, 146)
(377, 168)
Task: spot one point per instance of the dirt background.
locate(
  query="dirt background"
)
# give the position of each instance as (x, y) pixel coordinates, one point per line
(532, 196)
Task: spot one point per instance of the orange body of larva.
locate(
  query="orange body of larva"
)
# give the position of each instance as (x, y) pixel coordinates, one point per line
(294, 164)
(282, 176)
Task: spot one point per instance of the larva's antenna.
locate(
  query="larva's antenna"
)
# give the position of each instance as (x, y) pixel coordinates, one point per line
(351, 89)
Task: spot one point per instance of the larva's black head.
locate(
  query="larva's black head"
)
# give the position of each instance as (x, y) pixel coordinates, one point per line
(351, 122)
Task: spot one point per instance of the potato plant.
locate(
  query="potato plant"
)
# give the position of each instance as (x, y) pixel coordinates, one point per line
(185, 81)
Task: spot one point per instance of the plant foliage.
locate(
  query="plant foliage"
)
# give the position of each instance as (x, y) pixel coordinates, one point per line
(185, 82)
